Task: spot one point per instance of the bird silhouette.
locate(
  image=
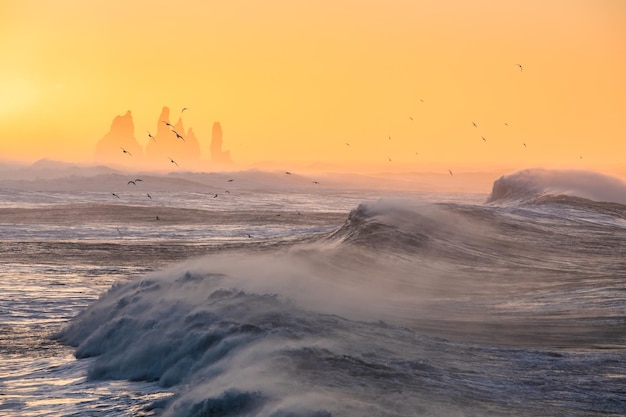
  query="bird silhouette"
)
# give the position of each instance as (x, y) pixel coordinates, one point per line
(287, 172)
(174, 162)
(215, 196)
(474, 124)
(184, 108)
(115, 195)
(131, 182)
(125, 151)
(149, 196)
(138, 180)
(484, 140)
(167, 123)
(520, 67)
(524, 144)
(450, 171)
(150, 136)
(178, 136)
(231, 180)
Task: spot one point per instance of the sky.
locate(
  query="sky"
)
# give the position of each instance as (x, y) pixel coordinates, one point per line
(353, 84)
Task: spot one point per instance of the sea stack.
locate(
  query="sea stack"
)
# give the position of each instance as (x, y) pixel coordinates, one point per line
(121, 135)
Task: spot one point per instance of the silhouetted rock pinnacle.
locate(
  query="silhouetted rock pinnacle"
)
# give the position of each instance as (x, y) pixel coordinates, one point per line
(121, 135)
(218, 156)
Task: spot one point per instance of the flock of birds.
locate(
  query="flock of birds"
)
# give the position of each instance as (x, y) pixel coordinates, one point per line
(474, 124)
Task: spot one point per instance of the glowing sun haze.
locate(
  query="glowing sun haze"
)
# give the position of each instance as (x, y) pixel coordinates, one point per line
(295, 81)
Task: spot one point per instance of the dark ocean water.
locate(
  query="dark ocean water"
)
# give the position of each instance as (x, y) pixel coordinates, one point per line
(327, 303)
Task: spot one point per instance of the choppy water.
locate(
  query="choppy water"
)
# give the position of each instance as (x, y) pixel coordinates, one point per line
(320, 303)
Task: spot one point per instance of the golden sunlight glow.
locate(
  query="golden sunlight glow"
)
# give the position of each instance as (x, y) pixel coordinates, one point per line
(392, 85)
(16, 95)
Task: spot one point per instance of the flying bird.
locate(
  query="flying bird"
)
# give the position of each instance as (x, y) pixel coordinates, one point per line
(316, 182)
(150, 136)
(167, 123)
(287, 172)
(184, 108)
(125, 151)
(474, 124)
(174, 162)
(138, 180)
(231, 180)
(389, 159)
(450, 171)
(178, 136)
(520, 67)
(149, 196)
(157, 217)
(115, 195)
(506, 124)
(347, 144)
(131, 182)
(484, 140)
(410, 118)
(215, 196)
(524, 144)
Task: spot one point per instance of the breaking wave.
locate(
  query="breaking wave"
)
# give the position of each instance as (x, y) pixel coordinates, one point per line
(530, 184)
(408, 308)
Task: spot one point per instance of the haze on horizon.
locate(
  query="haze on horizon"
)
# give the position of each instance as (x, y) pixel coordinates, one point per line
(390, 86)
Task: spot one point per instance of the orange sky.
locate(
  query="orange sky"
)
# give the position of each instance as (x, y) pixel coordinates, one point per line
(293, 81)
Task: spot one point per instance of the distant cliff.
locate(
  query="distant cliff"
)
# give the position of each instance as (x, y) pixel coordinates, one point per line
(120, 147)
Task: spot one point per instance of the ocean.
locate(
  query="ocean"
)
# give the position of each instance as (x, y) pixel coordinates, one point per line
(266, 294)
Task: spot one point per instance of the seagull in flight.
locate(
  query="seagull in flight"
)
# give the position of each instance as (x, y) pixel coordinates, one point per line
(167, 123)
(149, 196)
(215, 196)
(138, 180)
(410, 118)
(347, 144)
(231, 180)
(474, 124)
(174, 162)
(524, 144)
(315, 182)
(520, 67)
(184, 108)
(125, 151)
(131, 182)
(287, 172)
(484, 140)
(115, 195)
(178, 136)
(450, 171)
(150, 136)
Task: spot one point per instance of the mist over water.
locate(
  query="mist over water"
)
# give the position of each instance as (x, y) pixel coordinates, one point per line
(393, 306)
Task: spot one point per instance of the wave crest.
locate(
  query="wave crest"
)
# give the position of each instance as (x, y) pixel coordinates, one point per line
(531, 184)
